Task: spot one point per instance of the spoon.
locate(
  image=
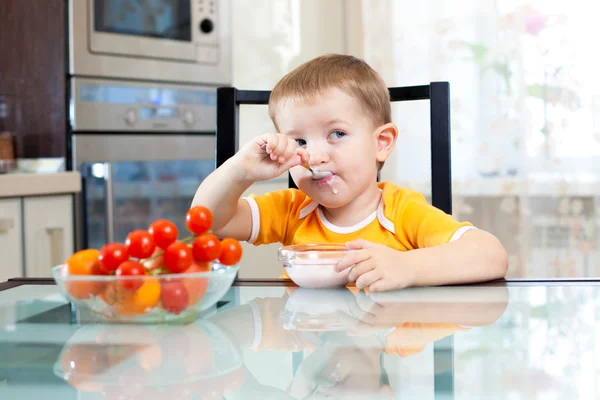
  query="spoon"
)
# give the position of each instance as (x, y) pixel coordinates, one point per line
(317, 174)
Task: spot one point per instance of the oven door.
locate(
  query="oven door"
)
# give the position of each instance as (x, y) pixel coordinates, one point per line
(160, 29)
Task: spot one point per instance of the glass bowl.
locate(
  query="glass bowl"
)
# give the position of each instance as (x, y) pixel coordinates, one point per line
(139, 299)
(312, 265)
(317, 310)
(150, 361)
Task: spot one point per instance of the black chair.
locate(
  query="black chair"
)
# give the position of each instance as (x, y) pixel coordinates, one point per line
(229, 100)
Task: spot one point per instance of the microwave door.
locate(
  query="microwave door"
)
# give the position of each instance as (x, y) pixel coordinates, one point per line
(142, 28)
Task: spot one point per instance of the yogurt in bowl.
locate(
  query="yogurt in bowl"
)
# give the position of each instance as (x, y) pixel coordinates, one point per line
(312, 265)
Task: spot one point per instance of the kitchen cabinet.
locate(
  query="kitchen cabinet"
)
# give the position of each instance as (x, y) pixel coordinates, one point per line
(48, 227)
(36, 233)
(11, 244)
(32, 72)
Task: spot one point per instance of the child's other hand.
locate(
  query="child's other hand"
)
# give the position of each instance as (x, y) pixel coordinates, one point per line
(269, 155)
(376, 266)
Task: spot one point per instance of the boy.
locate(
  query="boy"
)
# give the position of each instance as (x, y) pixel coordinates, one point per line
(333, 113)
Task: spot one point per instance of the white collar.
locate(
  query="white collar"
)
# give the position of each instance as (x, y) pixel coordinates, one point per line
(386, 223)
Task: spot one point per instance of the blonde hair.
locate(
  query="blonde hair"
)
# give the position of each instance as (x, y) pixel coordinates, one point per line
(348, 73)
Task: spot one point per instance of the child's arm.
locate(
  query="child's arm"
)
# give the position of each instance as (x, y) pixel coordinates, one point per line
(264, 158)
(476, 256)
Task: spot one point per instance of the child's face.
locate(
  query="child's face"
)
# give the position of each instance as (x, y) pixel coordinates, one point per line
(340, 138)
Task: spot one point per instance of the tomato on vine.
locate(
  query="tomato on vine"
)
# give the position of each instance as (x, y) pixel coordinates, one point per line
(178, 257)
(206, 247)
(231, 251)
(198, 220)
(140, 244)
(163, 232)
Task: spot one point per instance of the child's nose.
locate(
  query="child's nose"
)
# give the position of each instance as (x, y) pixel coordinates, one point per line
(318, 155)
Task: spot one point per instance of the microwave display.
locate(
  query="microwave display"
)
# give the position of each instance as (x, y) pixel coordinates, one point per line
(163, 19)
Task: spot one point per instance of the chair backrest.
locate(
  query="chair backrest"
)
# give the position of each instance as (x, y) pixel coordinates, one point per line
(438, 93)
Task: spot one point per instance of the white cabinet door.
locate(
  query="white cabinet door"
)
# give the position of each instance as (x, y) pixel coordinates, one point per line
(48, 225)
(11, 247)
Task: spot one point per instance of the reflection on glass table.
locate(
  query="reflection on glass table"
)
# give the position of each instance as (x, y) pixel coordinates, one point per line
(289, 343)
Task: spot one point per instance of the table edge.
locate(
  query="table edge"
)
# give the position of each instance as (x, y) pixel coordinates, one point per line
(14, 282)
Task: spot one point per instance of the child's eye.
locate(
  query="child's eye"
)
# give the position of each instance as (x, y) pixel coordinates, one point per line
(337, 134)
(301, 142)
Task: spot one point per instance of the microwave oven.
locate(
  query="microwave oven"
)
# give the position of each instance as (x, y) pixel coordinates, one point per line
(181, 41)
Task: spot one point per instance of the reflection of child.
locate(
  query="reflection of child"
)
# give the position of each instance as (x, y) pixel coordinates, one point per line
(414, 324)
(333, 113)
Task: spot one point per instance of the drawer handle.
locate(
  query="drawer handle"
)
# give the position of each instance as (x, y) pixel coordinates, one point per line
(6, 224)
(56, 245)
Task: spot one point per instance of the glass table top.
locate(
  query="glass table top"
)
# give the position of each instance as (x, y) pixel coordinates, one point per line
(269, 342)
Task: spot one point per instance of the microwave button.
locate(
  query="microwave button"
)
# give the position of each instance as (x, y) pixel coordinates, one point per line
(188, 117)
(130, 117)
(206, 25)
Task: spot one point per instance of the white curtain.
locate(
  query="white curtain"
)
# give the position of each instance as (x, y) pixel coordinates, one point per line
(525, 98)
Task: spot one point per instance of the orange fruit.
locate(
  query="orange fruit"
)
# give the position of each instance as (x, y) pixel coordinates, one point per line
(82, 364)
(84, 262)
(128, 302)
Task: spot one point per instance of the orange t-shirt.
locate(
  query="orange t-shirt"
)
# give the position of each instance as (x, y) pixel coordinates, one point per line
(403, 221)
(405, 339)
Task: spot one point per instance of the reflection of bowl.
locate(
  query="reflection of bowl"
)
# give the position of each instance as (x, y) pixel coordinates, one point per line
(107, 298)
(161, 361)
(316, 310)
(311, 265)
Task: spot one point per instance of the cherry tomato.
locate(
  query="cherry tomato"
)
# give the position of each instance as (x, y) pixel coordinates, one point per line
(164, 232)
(196, 287)
(130, 268)
(178, 257)
(111, 256)
(231, 251)
(174, 296)
(206, 247)
(198, 220)
(140, 244)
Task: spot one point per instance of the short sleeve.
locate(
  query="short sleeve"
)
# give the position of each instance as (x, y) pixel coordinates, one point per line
(275, 215)
(420, 224)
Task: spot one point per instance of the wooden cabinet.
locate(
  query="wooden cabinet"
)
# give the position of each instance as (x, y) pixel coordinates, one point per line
(36, 233)
(48, 227)
(11, 243)
(32, 72)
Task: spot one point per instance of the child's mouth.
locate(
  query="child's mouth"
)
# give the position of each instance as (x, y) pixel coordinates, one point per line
(323, 178)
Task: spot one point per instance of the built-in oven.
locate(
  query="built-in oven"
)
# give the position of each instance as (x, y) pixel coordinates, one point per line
(159, 40)
(142, 150)
(142, 81)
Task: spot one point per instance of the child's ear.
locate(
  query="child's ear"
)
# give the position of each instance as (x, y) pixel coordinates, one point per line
(385, 136)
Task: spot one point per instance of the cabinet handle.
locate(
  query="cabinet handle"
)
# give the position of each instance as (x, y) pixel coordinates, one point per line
(56, 245)
(6, 224)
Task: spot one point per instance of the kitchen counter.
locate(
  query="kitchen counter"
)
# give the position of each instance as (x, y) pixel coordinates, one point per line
(31, 184)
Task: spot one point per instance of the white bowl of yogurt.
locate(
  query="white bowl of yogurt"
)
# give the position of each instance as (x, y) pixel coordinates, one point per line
(312, 265)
